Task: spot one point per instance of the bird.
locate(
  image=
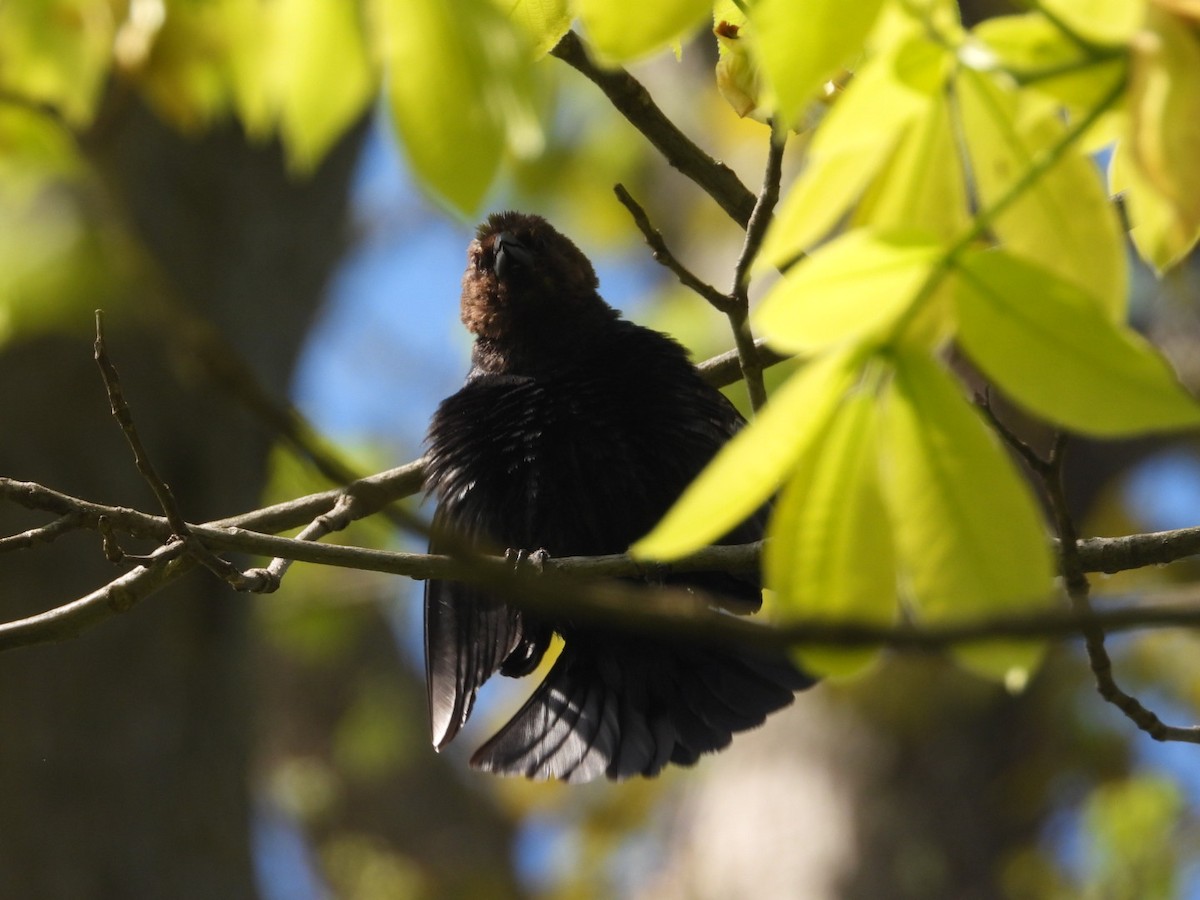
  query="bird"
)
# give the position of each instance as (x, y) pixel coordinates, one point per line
(574, 432)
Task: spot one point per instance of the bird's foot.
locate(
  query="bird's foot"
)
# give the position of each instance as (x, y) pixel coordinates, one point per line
(521, 559)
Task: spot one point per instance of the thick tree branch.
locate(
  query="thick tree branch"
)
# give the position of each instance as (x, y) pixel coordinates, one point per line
(633, 101)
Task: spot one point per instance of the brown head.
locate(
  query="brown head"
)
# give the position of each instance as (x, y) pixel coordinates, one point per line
(525, 280)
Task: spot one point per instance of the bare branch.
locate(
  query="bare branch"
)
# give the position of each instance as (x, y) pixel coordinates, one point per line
(725, 368)
(43, 534)
(1078, 590)
(222, 568)
(738, 309)
(632, 100)
(662, 254)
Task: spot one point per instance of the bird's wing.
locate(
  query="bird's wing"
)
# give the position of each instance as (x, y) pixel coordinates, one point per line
(469, 634)
(467, 638)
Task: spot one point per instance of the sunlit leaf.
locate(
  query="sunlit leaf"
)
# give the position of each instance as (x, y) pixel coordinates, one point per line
(750, 468)
(317, 37)
(802, 43)
(1047, 344)
(1040, 55)
(622, 30)
(56, 52)
(1132, 833)
(183, 63)
(1064, 220)
(856, 284)
(922, 186)
(970, 537)
(458, 89)
(1158, 231)
(543, 21)
(853, 144)
(829, 553)
(1164, 104)
(1098, 21)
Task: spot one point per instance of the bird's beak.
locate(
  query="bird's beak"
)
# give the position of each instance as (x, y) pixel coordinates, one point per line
(510, 254)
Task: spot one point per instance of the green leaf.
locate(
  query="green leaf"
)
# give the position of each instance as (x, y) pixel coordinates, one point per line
(1038, 54)
(56, 52)
(802, 43)
(1161, 235)
(459, 91)
(969, 535)
(858, 283)
(1164, 111)
(544, 22)
(922, 186)
(1047, 344)
(750, 468)
(854, 142)
(317, 37)
(829, 553)
(1064, 220)
(1109, 22)
(183, 62)
(623, 30)
(1134, 832)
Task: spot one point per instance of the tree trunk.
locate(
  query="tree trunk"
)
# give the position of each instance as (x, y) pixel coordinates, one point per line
(123, 754)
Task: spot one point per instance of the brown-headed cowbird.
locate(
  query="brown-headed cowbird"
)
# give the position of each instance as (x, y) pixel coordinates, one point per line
(574, 433)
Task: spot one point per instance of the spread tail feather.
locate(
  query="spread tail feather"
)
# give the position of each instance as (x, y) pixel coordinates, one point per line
(629, 711)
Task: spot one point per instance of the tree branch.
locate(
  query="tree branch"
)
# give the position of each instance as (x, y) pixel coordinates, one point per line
(738, 309)
(633, 101)
(1078, 591)
(662, 254)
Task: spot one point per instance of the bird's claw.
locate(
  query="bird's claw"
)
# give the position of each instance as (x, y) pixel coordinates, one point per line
(520, 559)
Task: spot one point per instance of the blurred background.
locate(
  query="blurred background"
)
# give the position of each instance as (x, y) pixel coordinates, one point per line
(213, 745)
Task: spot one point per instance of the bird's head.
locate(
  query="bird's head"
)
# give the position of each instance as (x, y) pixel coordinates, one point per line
(524, 278)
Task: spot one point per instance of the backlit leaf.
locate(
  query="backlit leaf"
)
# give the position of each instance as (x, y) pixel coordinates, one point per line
(1164, 105)
(830, 552)
(856, 284)
(315, 38)
(543, 21)
(1161, 235)
(458, 89)
(1099, 21)
(1046, 343)
(802, 43)
(854, 142)
(1041, 56)
(1064, 220)
(922, 185)
(750, 468)
(56, 52)
(970, 537)
(622, 30)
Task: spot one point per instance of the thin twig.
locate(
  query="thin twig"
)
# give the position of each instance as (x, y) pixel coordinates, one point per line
(725, 368)
(632, 100)
(663, 255)
(1078, 589)
(222, 568)
(1040, 466)
(738, 309)
(43, 534)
